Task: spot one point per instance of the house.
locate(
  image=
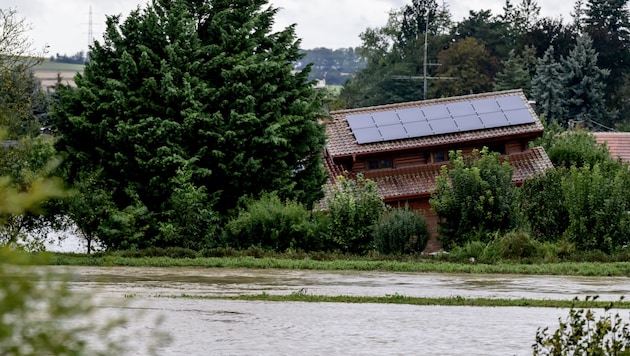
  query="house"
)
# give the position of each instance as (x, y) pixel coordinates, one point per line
(402, 146)
(618, 143)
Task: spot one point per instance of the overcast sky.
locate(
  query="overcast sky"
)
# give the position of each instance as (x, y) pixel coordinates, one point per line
(63, 25)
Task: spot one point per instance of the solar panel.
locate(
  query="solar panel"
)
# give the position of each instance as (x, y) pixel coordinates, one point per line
(435, 112)
(494, 119)
(418, 129)
(440, 119)
(393, 132)
(382, 118)
(460, 109)
(517, 117)
(485, 106)
(367, 135)
(468, 123)
(410, 115)
(443, 126)
(360, 121)
(512, 102)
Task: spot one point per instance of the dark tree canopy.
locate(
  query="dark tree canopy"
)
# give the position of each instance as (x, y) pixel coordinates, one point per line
(192, 104)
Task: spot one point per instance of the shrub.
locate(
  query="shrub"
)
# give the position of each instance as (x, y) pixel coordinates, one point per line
(583, 333)
(475, 251)
(401, 231)
(598, 205)
(543, 205)
(574, 148)
(272, 224)
(516, 245)
(474, 198)
(354, 209)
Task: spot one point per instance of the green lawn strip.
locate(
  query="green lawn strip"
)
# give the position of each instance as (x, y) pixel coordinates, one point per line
(401, 299)
(428, 265)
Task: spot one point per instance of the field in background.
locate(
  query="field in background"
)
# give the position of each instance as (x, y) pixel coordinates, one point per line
(48, 72)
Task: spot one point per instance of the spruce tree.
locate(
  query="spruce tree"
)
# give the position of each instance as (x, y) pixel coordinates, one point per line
(517, 71)
(548, 90)
(185, 108)
(584, 85)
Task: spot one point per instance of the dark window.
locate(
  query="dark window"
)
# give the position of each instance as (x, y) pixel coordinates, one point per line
(380, 163)
(439, 156)
(500, 148)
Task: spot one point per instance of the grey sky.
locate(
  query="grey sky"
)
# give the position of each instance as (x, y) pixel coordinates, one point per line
(63, 25)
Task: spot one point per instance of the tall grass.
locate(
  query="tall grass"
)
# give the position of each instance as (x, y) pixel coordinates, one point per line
(411, 266)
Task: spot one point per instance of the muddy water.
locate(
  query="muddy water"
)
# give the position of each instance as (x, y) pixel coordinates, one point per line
(222, 327)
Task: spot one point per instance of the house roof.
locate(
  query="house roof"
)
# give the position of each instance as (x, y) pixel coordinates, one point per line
(343, 143)
(420, 181)
(618, 143)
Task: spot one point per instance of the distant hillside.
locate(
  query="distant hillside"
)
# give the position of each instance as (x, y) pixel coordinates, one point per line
(48, 72)
(334, 66)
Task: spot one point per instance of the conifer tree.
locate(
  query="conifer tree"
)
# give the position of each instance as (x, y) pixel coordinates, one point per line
(584, 85)
(517, 71)
(548, 90)
(186, 107)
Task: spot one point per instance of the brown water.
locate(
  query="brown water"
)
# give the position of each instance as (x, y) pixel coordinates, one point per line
(223, 327)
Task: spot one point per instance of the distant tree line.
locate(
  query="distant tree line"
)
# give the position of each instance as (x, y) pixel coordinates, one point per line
(575, 70)
(77, 58)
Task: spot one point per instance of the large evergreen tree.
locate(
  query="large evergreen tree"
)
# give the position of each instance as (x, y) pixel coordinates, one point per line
(186, 107)
(584, 85)
(548, 90)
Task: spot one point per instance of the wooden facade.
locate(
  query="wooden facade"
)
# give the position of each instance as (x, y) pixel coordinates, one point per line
(405, 169)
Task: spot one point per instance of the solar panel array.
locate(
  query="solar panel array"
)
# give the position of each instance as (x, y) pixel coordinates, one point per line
(440, 119)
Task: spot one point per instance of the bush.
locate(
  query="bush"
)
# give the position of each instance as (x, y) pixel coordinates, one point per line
(271, 224)
(583, 333)
(474, 198)
(401, 231)
(598, 204)
(516, 245)
(543, 205)
(354, 209)
(476, 252)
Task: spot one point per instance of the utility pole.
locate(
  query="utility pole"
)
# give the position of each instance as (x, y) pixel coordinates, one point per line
(426, 34)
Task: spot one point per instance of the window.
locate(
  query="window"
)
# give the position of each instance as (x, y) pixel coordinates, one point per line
(440, 156)
(380, 163)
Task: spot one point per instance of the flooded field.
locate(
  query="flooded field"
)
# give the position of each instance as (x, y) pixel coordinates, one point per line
(224, 327)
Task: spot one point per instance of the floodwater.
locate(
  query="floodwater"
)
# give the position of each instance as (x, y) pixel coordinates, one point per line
(226, 327)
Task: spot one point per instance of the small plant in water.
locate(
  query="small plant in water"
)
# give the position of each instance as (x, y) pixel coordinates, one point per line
(583, 333)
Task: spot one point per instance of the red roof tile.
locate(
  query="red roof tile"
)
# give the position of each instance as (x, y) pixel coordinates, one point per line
(618, 143)
(341, 141)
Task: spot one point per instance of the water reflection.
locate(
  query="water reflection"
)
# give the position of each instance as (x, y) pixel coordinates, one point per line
(223, 327)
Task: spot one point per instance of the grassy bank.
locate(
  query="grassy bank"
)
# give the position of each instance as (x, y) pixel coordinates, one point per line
(401, 299)
(417, 265)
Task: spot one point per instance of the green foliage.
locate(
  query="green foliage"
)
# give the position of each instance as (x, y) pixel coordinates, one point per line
(585, 85)
(475, 252)
(548, 90)
(474, 198)
(574, 148)
(401, 231)
(543, 205)
(470, 66)
(354, 208)
(585, 332)
(604, 196)
(270, 223)
(192, 100)
(516, 245)
(24, 165)
(517, 71)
